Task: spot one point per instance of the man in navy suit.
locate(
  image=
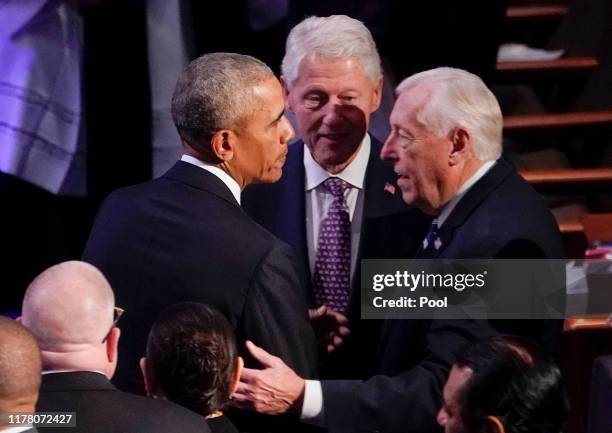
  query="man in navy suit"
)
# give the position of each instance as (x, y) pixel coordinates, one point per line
(184, 236)
(445, 146)
(332, 79)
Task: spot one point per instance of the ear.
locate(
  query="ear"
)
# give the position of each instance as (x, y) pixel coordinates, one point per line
(222, 145)
(146, 376)
(112, 344)
(495, 425)
(286, 93)
(377, 95)
(461, 144)
(237, 373)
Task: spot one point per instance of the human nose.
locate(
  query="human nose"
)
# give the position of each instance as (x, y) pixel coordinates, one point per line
(387, 153)
(287, 132)
(442, 418)
(332, 113)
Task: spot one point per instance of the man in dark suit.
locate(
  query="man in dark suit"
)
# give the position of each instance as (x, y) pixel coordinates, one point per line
(333, 82)
(69, 310)
(19, 376)
(184, 236)
(445, 146)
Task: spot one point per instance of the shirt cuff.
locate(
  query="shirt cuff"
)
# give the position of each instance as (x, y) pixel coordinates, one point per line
(312, 408)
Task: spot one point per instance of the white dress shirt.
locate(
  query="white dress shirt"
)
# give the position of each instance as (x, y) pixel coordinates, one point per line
(318, 200)
(312, 407)
(229, 181)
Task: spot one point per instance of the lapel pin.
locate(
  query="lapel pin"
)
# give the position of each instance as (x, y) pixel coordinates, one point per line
(437, 243)
(389, 188)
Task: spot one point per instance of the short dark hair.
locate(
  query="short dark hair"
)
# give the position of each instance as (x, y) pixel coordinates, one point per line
(191, 354)
(214, 92)
(514, 380)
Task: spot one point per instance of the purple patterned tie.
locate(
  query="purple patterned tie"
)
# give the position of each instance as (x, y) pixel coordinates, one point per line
(332, 270)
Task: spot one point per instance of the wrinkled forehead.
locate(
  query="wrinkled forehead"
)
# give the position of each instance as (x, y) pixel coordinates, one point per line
(410, 102)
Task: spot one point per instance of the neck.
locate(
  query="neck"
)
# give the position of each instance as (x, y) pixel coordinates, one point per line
(74, 361)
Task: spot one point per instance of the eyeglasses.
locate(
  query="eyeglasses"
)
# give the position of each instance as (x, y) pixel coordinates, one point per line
(118, 312)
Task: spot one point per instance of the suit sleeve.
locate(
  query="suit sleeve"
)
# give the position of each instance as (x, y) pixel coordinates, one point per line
(276, 314)
(409, 401)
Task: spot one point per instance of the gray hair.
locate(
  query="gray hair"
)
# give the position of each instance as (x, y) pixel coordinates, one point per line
(215, 92)
(336, 36)
(460, 98)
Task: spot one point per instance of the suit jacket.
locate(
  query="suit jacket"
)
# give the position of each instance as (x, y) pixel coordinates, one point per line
(183, 237)
(100, 407)
(501, 216)
(390, 229)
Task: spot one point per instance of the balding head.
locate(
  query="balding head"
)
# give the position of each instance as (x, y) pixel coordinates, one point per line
(19, 368)
(69, 310)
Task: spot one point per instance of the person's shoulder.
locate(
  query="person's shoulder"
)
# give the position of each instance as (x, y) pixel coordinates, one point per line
(161, 415)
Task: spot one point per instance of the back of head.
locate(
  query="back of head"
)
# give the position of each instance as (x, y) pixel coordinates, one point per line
(215, 92)
(69, 310)
(20, 368)
(459, 98)
(333, 37)
(191, 355)
(515, 381)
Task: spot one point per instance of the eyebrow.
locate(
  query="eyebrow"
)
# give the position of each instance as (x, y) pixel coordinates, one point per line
(282, 113)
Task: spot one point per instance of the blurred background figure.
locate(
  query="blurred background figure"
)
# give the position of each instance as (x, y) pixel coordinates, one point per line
(192, 360)
(19, 374)
(69, 310)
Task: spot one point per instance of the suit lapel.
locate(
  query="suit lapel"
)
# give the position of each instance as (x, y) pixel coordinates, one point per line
(467, 205)
(292, 215)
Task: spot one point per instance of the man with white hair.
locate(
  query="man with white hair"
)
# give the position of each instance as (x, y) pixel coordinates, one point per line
(445, 146)
(335, 203)
(69, 310)
(19, 376)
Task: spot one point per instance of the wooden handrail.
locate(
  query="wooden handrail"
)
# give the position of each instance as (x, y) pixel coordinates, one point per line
(567, 177)
(536, 12)
(518, 123)
(568, 64)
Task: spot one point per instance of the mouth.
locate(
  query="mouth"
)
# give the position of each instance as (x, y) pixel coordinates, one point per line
(334, 136)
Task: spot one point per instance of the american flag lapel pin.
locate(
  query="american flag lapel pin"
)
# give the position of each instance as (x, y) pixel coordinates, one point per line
(437, 243)
(389, 188)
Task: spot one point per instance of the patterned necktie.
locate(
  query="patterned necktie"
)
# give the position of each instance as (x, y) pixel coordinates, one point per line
(429, 243)
(332, 270)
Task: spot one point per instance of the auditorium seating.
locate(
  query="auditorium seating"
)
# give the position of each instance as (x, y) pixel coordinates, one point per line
(555, 121)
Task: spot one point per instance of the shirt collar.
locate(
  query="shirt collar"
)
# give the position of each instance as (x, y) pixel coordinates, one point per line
(223, 176)
(71, 371)
(452, 203)
(354, 173)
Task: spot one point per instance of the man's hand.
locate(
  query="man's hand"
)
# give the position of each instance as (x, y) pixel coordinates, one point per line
(330, 327)
(274, 390)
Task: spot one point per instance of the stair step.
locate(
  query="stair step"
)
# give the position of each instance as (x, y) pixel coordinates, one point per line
(530, 122)
(530, 12)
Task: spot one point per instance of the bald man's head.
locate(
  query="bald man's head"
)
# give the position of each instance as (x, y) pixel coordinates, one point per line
(68, 307)
(19, 368)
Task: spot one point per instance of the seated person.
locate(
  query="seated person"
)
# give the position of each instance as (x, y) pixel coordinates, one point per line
(503, 384)
(70, 309)
(192, 360)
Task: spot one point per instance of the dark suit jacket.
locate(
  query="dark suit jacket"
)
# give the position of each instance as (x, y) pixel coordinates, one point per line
(501, 216)
(389, 229)
(183, 237)
(100, 407)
